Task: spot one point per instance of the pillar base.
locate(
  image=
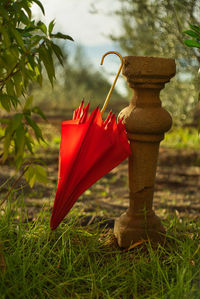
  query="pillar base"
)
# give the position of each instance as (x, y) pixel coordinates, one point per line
(129, 229)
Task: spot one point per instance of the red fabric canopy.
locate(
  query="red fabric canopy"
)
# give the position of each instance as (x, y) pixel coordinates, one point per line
(89, 149)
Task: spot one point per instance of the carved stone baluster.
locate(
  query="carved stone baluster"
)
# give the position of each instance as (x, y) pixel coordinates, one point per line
(146, 122)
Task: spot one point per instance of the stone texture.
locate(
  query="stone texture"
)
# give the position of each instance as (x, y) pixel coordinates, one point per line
(146, 122)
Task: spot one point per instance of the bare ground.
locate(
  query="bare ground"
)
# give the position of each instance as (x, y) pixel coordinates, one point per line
(177, 187)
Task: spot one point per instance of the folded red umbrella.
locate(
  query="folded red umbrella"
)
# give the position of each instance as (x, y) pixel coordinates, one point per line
(89, 149)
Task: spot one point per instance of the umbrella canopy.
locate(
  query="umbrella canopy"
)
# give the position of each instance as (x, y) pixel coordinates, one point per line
(89, 148)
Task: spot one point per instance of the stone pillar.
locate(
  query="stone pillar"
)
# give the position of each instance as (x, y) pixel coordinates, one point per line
(146, 122)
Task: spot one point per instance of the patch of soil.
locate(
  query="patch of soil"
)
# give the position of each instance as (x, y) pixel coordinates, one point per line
(177, 187)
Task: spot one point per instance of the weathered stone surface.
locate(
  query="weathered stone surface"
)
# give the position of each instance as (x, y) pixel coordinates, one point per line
(146, 122)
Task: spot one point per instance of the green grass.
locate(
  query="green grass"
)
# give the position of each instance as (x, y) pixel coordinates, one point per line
(182, 138)
(176, 138)
(77, 262)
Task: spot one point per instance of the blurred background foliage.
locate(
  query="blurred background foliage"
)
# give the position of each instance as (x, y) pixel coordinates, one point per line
(77, 80)
(31, 54)
(155, 28)
(148, 28)
(27, 48)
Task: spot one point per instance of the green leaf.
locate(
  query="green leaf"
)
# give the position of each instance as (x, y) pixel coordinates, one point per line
(18, 162)
(28, 142)
(51, 26)
(35, 173)
(36, 129)
(9, 61)
(18, 38)
(38, 72)
(15, 101)
(4, 13)
(19, 144)
(20, 136)
(6, 145)
(39, 79)
(31, 61)
(18, 83)
(192, 43)
(14, 123)
(26, 8)
(37, 69)
(38, 111)
(41, 174)
(35, 40)
(58, 52)
(46, 57)
(192, 33)
(40, 5)
(62, 36)
(6, 36)
(42, 26)
(14, 51)
(10, 87)
(23, 18)
(22, 67)
(30, 175)
(29, 74)
(28, 103)
(195, 28)
(5, 101)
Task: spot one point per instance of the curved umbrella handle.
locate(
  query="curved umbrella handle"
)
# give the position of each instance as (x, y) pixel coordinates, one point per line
(113, 85)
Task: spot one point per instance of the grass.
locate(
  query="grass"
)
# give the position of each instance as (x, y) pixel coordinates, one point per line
(182, 138)
(83, 262)
(177, 138)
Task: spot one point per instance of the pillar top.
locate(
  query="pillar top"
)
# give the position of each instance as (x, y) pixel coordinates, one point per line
(142, 69)
(145, 118)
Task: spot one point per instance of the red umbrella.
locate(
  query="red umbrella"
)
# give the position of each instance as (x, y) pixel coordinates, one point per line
(89, 149)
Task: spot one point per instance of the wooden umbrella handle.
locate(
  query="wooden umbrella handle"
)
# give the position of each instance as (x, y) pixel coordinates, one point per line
(113, 85)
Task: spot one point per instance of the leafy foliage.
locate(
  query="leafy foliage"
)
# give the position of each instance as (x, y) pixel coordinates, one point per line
(27, 48)
(78, 79)
(35, 172)
(194, 33)
(155, 28)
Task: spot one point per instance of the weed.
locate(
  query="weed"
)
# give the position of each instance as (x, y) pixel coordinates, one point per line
(83, 262)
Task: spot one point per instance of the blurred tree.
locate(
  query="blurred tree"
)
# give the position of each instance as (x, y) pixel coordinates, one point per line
(81, 80)
(26, 48)
(77, 80)
(194, 32)
(154, 28)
